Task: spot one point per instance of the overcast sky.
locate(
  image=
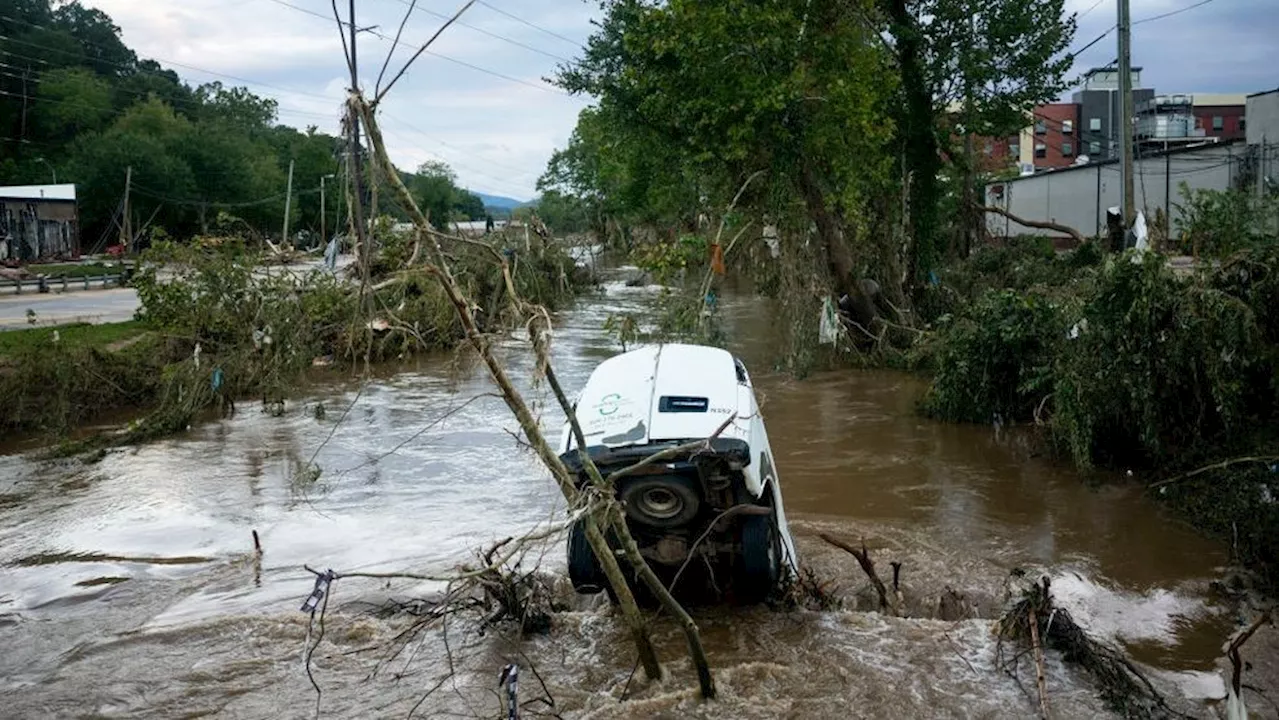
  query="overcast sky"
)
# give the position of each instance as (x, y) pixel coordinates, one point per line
(498, 125)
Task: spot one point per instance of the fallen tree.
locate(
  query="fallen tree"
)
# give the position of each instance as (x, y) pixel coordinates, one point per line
(609, 517)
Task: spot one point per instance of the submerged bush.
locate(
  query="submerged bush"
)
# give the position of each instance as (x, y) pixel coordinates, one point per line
(993, 362)
(1164, 366)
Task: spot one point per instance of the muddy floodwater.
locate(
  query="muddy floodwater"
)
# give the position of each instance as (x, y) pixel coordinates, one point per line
(128, 587)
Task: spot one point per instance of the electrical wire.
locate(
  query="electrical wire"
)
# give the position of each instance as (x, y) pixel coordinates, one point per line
(1171, 13)
(539, 28)
(463, 63)
(482, 31)
(154, 195)
(1091, 9)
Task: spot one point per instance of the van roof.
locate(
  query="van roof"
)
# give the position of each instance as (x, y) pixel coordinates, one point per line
(661, 392)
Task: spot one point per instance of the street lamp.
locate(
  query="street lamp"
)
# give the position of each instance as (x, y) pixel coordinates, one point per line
(52, 169)
(323, 236)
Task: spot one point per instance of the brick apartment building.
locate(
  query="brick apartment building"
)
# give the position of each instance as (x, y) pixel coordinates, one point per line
(1089, 125)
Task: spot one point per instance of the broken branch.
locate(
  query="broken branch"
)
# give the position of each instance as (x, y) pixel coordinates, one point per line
(863, 557)
(1038, 224)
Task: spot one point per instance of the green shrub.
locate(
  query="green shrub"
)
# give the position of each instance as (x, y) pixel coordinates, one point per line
(994, 360)
(1220, 222)
(1162, 367)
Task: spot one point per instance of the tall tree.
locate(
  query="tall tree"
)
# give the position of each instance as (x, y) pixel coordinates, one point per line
(994, 60)
(796, 88)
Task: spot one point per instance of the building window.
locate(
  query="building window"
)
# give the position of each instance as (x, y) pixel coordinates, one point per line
(1217, 122)
(1067, 149)
(1240, 123)
(1067, 126)
(1040, 150)
(1095, 147)
(1014, 150)
(1040, 127)
(987, 148)
(1095, 123)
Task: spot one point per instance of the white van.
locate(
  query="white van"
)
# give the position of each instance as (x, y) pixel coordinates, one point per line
(662, 396)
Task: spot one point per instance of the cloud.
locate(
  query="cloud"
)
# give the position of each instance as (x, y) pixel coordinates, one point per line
(1223, 46)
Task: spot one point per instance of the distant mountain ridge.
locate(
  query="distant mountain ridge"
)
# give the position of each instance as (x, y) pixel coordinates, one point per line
(499, 201)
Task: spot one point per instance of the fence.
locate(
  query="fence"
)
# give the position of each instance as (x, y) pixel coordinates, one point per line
(62, 284)
(1078, 197)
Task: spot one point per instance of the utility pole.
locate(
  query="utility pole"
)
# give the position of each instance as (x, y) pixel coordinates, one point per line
(1126, 112)
(288, 201)
(1260, 165)
(357, 157)
(126, 232)
(323, 237)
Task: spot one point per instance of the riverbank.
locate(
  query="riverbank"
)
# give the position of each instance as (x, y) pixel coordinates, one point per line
(219, 328)
(1126, 364)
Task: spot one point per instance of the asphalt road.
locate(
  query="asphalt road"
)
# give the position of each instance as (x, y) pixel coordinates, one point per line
(92, 306)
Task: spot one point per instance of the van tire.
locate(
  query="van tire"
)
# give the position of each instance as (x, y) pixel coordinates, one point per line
(757, 568)
(661, 501)
(584, 569)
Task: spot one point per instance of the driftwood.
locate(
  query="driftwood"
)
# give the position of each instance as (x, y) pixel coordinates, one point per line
(1234, 701)
(1039, 224)
(1042, 686)
(864, 559)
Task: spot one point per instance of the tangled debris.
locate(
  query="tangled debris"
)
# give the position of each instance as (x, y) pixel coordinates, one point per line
(1033, 622)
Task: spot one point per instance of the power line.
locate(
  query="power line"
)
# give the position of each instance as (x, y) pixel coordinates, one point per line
(463, 63)
(1091, 9)
(1171, 13)
(135, 68)
(1094, 41)
(539, 28)
(476, 156)
(177, 102)
(482, 31)
(146, 192)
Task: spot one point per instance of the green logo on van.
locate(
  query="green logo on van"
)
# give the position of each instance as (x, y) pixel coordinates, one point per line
(609, 403)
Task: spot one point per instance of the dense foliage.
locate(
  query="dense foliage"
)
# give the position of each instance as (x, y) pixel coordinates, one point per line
(76, 101)
(695, 97)
(1127, 364)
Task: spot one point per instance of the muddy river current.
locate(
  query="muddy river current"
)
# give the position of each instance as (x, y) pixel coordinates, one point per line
(129, 586)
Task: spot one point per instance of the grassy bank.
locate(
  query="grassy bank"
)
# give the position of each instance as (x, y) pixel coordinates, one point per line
(220, 331)
(52, 379)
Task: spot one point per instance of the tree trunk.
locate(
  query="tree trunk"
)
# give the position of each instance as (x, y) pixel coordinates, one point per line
(514, 400)
(839, 259)
(920, 143)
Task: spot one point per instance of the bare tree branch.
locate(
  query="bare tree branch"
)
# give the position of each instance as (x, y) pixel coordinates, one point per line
(394, 44)
(381, 94)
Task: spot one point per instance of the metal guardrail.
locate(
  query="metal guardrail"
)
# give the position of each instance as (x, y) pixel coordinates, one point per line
(60, 284)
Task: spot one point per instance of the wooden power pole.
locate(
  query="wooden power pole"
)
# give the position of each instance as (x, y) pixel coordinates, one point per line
(357, 157)
(288, 202)
(126, 228)
(1126, 112)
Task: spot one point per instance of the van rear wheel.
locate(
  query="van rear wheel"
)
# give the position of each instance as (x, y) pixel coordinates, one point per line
(584, 569)
(757, 570)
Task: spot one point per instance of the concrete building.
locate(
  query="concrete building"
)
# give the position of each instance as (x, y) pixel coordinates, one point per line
(1260, 109)
(1165, 121)
(38, 222)
(1079, 196)
(1099, 109)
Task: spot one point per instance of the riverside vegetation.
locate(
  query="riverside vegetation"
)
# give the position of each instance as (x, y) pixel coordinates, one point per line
(225, 327)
